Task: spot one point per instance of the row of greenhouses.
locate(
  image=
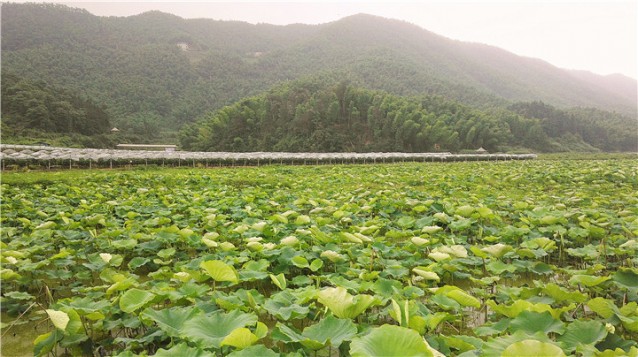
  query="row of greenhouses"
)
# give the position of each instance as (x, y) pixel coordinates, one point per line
(58, 157)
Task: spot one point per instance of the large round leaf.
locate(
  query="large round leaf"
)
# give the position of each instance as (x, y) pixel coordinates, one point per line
(220, 271)
(389, 340)
(252, 351)
(532, 348)
(170, 320)
(183, 350)
(210, 330)
(329, 331)
(134, 299)
(240, 337)
(626, 278)
(344, 305)
(60, 319)
(588, 280)
(532, 322)
(583, 333)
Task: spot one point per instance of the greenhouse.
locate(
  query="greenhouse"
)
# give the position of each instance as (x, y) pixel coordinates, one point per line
(47, 157)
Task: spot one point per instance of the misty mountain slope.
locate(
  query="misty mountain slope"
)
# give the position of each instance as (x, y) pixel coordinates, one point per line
(162, 68)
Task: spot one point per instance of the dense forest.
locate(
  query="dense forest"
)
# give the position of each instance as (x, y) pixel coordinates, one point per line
(322, 116)
(155, 74)
(34, 107)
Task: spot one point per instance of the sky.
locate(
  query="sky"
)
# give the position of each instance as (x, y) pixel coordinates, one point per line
(596, 36)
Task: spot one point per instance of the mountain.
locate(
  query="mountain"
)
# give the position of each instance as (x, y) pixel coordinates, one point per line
(156, 72)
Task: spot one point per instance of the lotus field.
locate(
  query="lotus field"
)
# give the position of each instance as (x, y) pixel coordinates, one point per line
(525, 258)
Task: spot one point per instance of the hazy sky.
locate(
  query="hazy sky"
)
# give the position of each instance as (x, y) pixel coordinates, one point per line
(598, 36)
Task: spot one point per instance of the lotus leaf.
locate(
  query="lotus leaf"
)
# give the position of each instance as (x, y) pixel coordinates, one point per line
(581, 333)
(220, 271)
(134, 299)
(344, 305)
(60, 319)
(532, 348)
(170, 320)
(389, 340)
(183, 350)
(211, 329)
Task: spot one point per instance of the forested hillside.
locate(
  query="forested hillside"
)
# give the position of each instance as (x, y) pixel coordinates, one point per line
(30, 107)
(155, 72)
(324, 116)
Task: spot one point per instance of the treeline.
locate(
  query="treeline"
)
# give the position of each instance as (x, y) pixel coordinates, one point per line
(36, 105)
(318, 116)
(601, 129)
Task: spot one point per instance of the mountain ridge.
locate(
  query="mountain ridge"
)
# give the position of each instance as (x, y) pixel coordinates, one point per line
(160, 68)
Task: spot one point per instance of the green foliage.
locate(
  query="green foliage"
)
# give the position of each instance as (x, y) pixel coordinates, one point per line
(320, 115)
(389, 340)
(32, 105)
(468, 258)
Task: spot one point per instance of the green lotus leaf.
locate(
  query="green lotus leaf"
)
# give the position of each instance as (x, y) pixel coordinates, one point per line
(390, 340)
(170, 320)
(627, 278)
(46, 225)
(560, 294)
(630, 323)
(285, 306)
(8, 274)
(210, 329)
(349, 237)
(60, 319)
(45, 343)
(137, 262)
(183, 350)
(19, 295)
(320, 235)
(439, 256)
(124, 243)
(253, 351)
(220, 271)
(286, 334)
(464, 211)
(344, 305)
(316, 264)
(532, 348)
(464, 298)
(134, 299)
(588, 280)
(301, 220)
(418, 241)
(512, 310)
(279, 280)
(497, 250)
(240, 338)
(331, 331)
(495, 346)
(300, 261)
(431, 229)
(532, 322)
(121, 285)
(580, 333)
(84, 305)
(405, 222)
(427, 275)
(457, 251)
(498, 267)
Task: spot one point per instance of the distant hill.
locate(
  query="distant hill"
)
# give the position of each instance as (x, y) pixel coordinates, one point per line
(319, 115)
(155, 72)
